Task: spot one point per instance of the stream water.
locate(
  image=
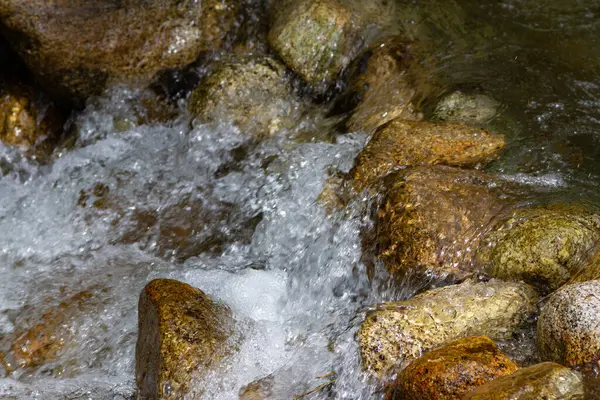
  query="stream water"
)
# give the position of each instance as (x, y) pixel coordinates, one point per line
(291, 272)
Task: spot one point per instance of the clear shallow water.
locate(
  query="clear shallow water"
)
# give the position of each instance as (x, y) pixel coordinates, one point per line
(97, 218)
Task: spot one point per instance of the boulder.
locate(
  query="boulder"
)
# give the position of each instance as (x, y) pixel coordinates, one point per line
(402, 143)
(384, 84)
(548, 381)
(568, 330)
(41, 335)
(543, 245)
(254, 94)
(317, 39)
(472, 109)
(181, 332)
(451, 371)
(397, 333)
(27, 120)
(432, 218)
(76, 47)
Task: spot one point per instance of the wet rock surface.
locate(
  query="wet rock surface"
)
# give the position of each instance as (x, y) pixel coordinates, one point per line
(315, 38)
(542, 381)
(472, 109)
(75, 48)
(544, 246)
(432, 219)
(254, 94)
(403, 143)
(451, 371)
(385, 83)
(569, 325)
(397, 333)
(181, 332)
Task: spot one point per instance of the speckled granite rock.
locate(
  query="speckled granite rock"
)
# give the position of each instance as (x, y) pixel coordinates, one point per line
(432, 219)
(544, 246)
(569, 326)
(548, 381)
(397, 333)
(181, 332)
(75, 47)
(472, 109)
(451, 371)
(403, 143)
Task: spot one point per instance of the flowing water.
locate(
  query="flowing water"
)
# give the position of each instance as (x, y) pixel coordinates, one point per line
(96, 219)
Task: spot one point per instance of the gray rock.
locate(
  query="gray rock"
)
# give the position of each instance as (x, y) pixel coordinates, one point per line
(472, 109)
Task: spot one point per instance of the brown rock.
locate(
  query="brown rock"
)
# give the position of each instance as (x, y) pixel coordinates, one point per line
(432, 219)
(568, 330)
(451, 371)
(397, 333)
(75, 47)
(41, 338)
(386, 83)
(403, 143)
(548, 381)
(181, 332)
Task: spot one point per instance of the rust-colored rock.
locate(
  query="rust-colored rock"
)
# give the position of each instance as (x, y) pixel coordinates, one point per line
(451, 371)
(42, 338)
(548, 381)
(432, 219)
(76, 47)
(181, 332)
(397, 333)
(402, 143)
(386, 83)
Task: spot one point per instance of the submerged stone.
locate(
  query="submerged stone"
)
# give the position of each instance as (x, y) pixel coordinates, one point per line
(543, 246)
(403, 143)
(568, 330)
(253, 94)
(432, 219)
(451, 371)
(397, 333)
(384, 84)
(315, 38)
(548, 381)
(472, 109)
(76, 47)
(181, 332)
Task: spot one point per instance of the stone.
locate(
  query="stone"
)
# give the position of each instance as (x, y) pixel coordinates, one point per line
(261, 389)
(432, 218)
(76, 47)
(181, 332)
(27, 120)
(254, 94)
(397, 333)
(317, 39)
(38, 340)
(543, 245)
(451, 371)
(568, 330)
(402, 143)
(383, 84)
(472, 109)
(548, 381)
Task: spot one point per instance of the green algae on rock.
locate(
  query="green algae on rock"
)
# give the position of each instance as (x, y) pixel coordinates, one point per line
(254, 94)
(384, 84)
(472, 109)
(543, 246)
(397, 333)
(548, 381)
(315, 38)
(181, 332)
(432, 219)
(76, 47)
(403, 143)
(568, 330)
(451, 371)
